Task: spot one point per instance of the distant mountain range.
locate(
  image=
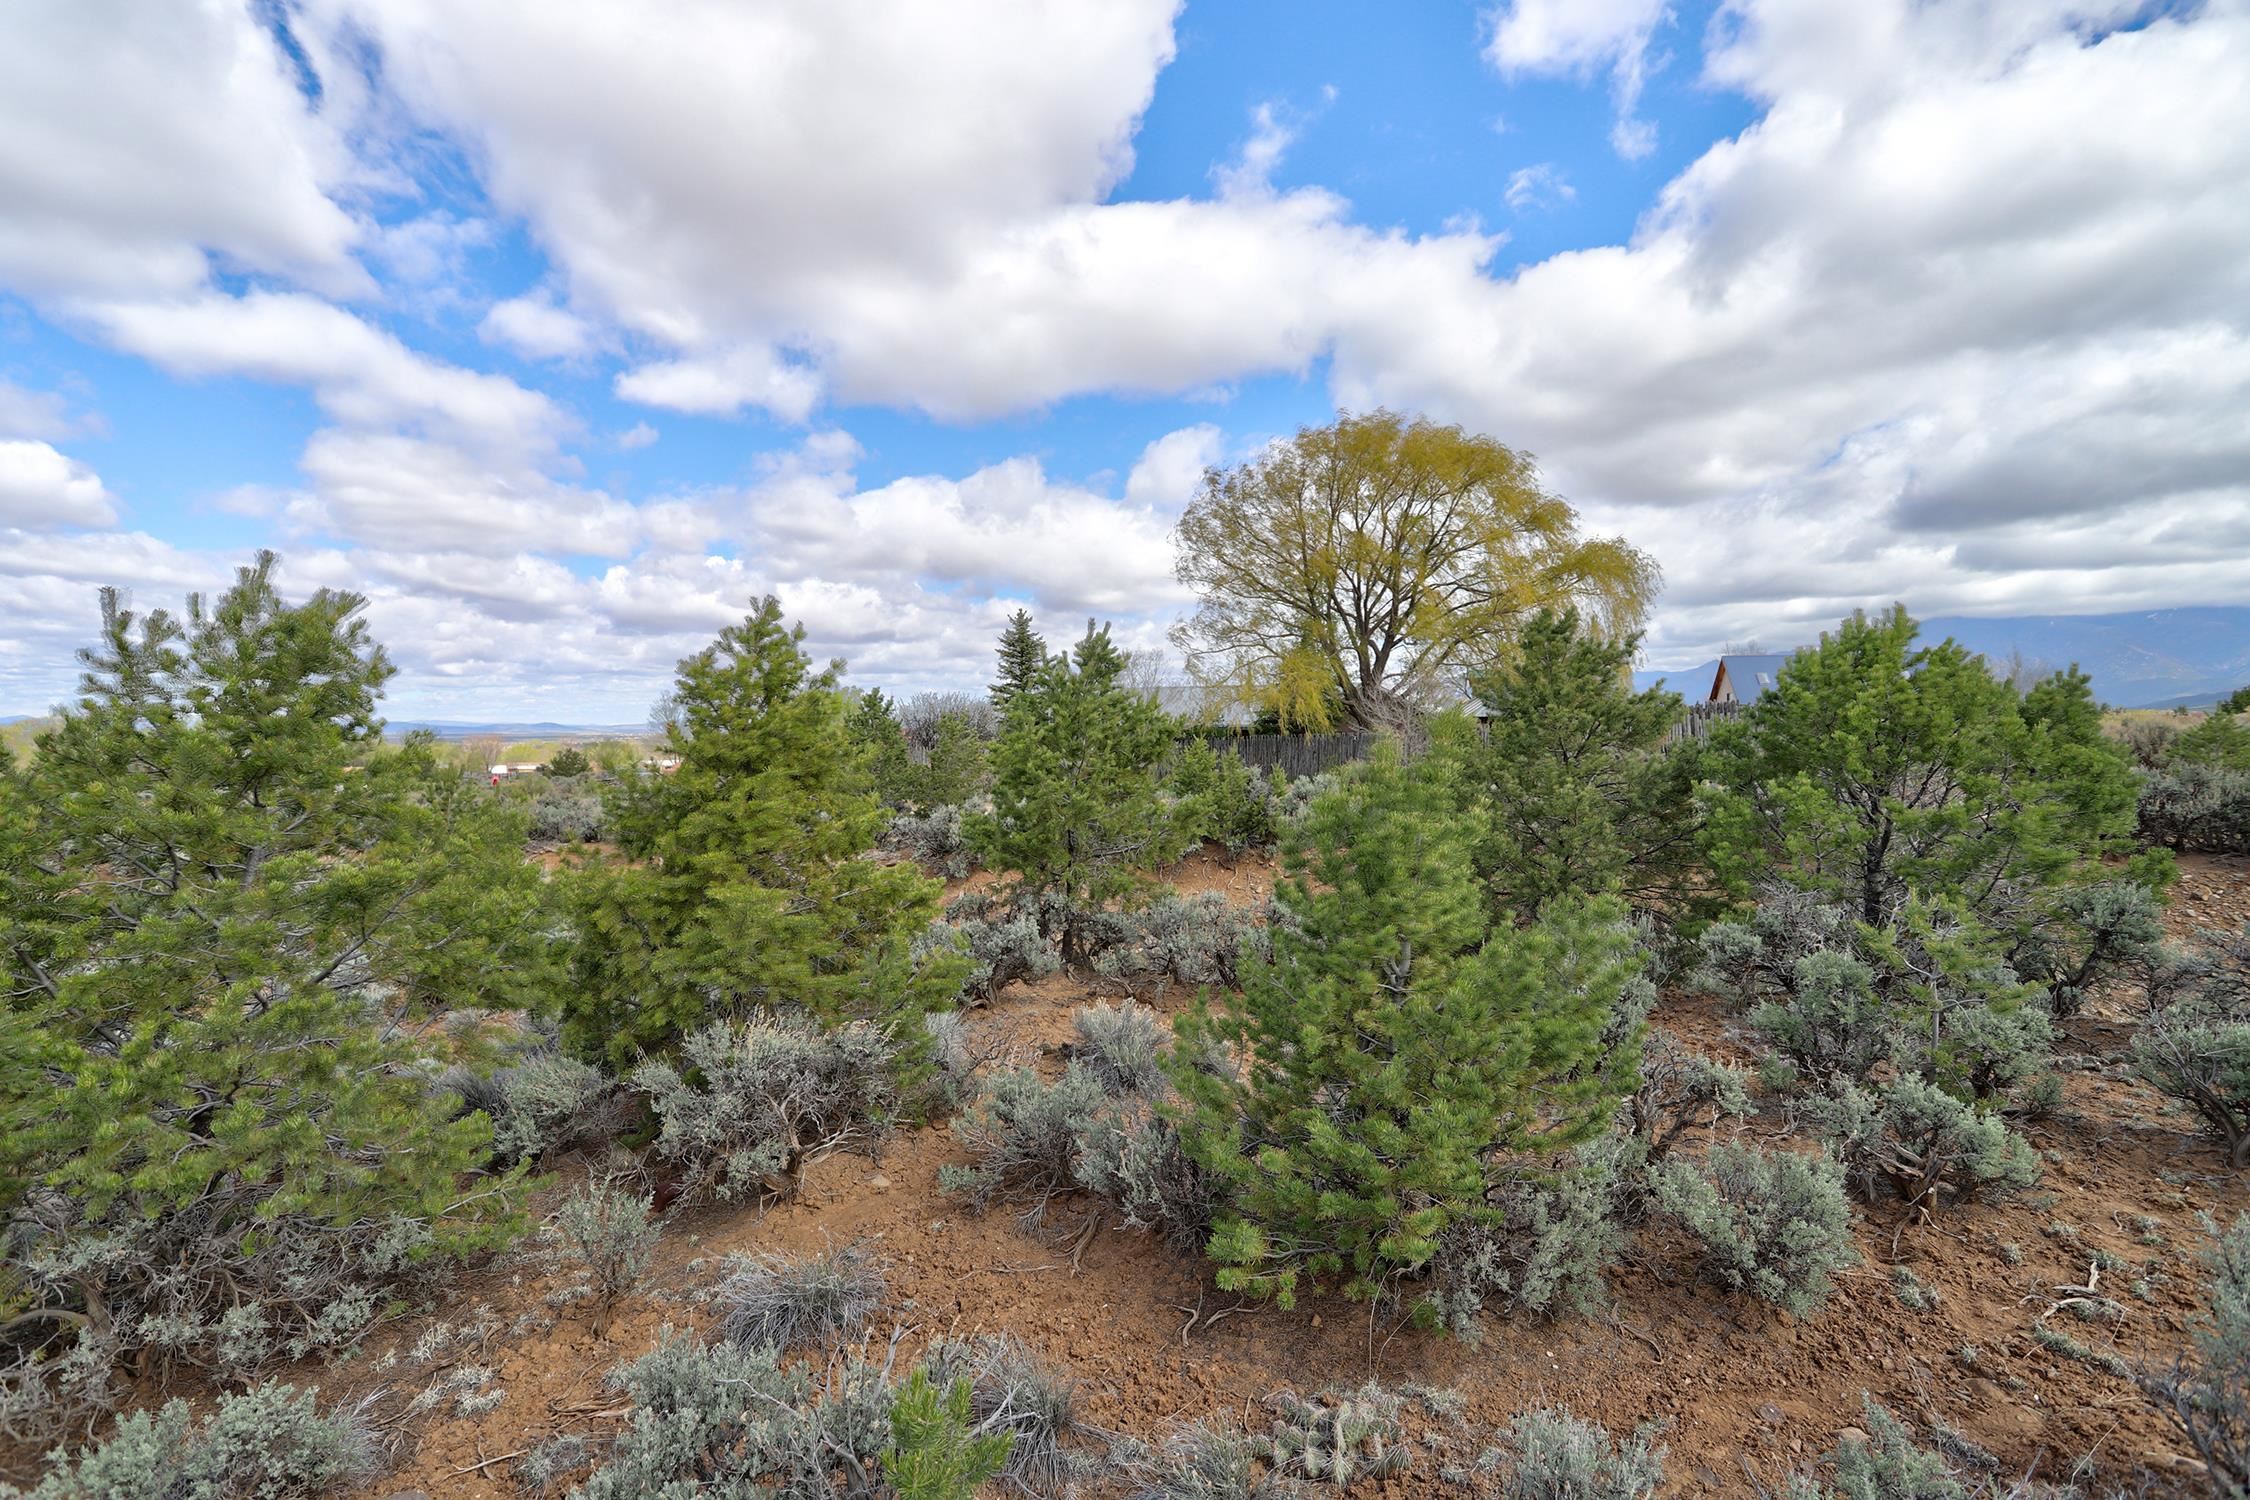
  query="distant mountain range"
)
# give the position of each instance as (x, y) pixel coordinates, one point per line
(454, 729)
(2161, 658)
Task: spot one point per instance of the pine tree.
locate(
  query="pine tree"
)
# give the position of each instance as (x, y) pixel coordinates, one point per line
(954, 773)
(1022, 653)
(874, 728)
(1078, 805)
(222, 899)
(1392, 1044)
(747, 884)
(1569, 788)
(936, 1451)
(1959, 823)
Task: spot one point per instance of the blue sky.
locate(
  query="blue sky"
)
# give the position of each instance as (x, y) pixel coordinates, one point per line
(563, 338)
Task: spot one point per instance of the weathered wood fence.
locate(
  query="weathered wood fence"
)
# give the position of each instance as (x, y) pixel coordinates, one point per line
(1697, 722)
(1297, 754)
(1311, 754)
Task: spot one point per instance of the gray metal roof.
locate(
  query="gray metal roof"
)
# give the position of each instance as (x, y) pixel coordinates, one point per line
(1750, 677)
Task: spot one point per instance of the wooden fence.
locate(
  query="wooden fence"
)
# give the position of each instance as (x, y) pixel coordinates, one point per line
(1697, 722)
(1297, 754)
(1311, 754)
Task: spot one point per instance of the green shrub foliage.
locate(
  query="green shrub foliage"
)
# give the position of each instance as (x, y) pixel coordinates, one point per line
(1911, 1140)
(935, 1451)
(1078, 803)
(1962, 827)
(2196, 1045)
(1775, 1225)
(1568, 786)
(1551, 1455)
(875, 732)
(221, 899)
(1887, 1465)
(1224, 800)
(747, 884)
(268, 1443)
(2207, 1394)
(761, 1098)
(2221, 741)
(1386, 974)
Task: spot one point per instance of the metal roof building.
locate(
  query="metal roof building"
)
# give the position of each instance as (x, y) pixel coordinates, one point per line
(1745, 679)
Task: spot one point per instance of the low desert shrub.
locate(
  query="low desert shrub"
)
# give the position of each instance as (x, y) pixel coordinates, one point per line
(2207, 1395)
(611, 1235)
(1678, 1090)
(566, 817)
(1827, 1020)
(547, 1103)
(785, 1302)
(1002, 949)
(1130, 1154)
(1198, 1461)
(1548, 1246)
(1200, 939)
(268, 1443)
(1012, 1391)
(2196, 1049)
(2098, 930)
(953, 1061)
(761, 1098)
(932, 840)
(547, 1468)
(1552, 1455)
(211, 1286)
(1122, 1046)
(1022, 1134)
(1775, 1225)
(1910, 1138)
(724, 1419)
(2196, 807)
(1887, 1465)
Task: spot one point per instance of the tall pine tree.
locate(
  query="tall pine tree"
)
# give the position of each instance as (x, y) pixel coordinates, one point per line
(1392, 1045)
(746, 882)
(1078, 804)
(1022, 653)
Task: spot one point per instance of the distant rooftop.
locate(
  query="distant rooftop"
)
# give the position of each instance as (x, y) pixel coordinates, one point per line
(1746, 679)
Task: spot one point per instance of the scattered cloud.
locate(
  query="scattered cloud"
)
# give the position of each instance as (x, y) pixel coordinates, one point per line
(722, 384)
(42, 489)
(1250, 174)
(536, 328)
(1580, 37)
(1536, 187)
(1966, 309)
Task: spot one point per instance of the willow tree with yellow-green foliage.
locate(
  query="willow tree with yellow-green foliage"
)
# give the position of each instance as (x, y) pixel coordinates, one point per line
(1355, 572)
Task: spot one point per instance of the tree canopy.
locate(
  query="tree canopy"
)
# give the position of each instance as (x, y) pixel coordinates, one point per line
(1078, 806)
(1360, 568)
(223, 900)
(749, 885)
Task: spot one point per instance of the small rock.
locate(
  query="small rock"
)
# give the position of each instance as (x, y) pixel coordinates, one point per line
(406, 1495)
(1846, 1435)
(878, 1182)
